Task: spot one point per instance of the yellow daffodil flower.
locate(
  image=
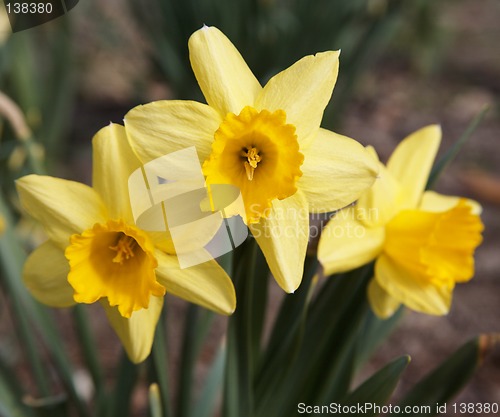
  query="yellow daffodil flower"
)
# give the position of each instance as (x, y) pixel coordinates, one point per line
(95, 252)
(423, 242)
(2, 224)
(267, 141)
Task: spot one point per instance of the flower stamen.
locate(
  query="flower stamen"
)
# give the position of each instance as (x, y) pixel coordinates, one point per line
(253, 158)
(124, 248)
(258, 152)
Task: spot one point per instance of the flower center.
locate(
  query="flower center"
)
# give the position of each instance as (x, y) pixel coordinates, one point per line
(438, 247)
(114, 261)
(253, 158)
(124, 248)
(258, 152)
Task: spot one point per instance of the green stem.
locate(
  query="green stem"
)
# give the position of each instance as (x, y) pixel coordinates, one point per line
(88, 344)
(160, 367)
(238, 393)
(126, 380)
(198, 322)
(187, 361)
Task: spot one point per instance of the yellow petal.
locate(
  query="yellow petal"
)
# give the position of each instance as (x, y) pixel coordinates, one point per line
(113, 162)
(378, 205)
(434, 202)
(346, 243)
(162, 127)
(63, 207)
(335, 172)
(137, 332)
(283, 238)
(45, 275)
(407, 288)
(224, 78)
(411, 163)
(381, 303)
(302, 91)
(206, 284)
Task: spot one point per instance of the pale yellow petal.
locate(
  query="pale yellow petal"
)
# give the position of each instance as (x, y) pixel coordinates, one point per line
(206, 284)
(346, 243)
(336, 171)
(113, 162)
(412, 291)
(283, 238)
(411, 163)
(45, 275)
(381, 303)
(378, 205)
(302, 91)
(371, 150)
(137, 332)
(432, 201)
(63, 207)
(224, 78)
(162, 127)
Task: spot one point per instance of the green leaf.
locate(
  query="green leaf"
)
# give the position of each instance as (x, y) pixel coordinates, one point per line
(257, 308)
(160, 367)
(322, 369)
(30, 312)
(10, 395)
(89, 349)
(446, 380)
(287, 326)
(205, 406)
(12, 258)
(374, 332)
(336, 370)
(455, 149)
(238, 393)
(126, 380)
(286, 337)
(379, 387)
(197, 325)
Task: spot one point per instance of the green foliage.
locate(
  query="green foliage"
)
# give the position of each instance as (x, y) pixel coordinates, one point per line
(444, 382)
(37, 72)
(379, 387)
